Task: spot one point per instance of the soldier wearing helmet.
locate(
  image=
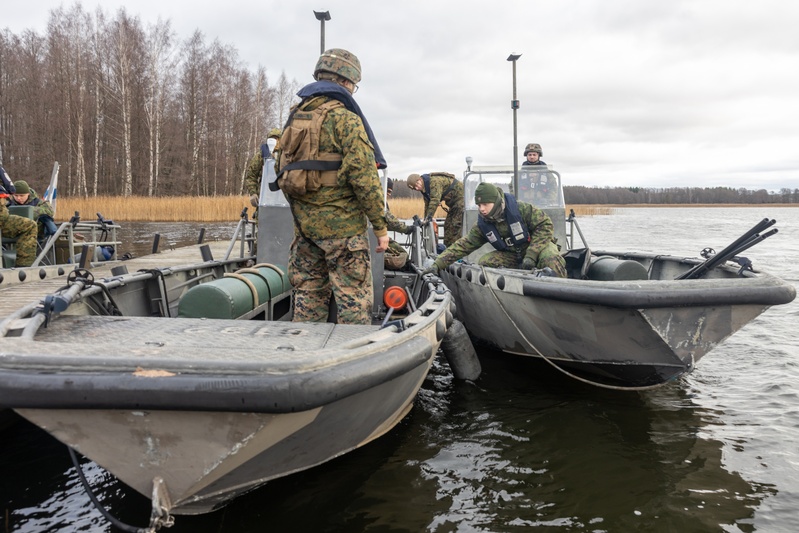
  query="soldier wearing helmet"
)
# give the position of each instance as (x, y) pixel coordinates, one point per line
(328, 172)
(255, 169)
(533, 153)
(15, 227)
(535, 186)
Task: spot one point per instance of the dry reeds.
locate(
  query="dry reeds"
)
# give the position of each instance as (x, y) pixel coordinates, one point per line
(221, 208)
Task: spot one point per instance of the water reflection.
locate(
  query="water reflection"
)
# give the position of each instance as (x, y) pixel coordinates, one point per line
(506, 453)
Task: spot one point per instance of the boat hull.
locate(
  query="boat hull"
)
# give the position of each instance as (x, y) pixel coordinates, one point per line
(627, 334)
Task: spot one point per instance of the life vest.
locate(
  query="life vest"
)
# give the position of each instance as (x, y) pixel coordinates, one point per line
(303, 168)
(518, 229)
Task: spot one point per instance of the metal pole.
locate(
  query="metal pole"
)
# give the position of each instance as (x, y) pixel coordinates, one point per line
(514, 105)
(322, 16)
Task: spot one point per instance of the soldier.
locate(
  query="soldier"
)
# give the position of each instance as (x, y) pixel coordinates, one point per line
(42, 210)
(20, 228)
(438, 187)
(539, 187)
(255, 170)
(530, 245)
(395, 224)
(328, 172)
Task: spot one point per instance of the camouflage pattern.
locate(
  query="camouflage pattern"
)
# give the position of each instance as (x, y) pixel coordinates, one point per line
(337, 266)
(24, 230)
(541, 249)
(533, 147)
(341, 62)
(327, 255)
(454, 206)
(395, 224)
(40, 208)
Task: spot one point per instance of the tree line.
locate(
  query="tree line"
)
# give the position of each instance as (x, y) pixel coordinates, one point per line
(131, 109)
(677, 195)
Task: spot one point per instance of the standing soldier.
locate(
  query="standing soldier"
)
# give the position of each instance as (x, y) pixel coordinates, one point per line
(438, 187)
(328, 172)
(20, 228)
(255, 170)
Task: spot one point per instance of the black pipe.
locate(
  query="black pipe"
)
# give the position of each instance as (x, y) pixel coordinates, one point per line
(156, 238)
(201, 237)
(708, 265)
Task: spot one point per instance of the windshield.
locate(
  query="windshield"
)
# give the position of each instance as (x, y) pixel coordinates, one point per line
(538, 184)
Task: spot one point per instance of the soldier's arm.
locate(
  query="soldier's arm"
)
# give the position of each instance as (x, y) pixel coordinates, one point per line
(540, 227)
(252, 179)
(461, 248)
(395, 224)
(359, 167)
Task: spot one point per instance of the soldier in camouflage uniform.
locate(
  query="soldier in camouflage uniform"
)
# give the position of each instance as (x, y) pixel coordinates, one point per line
(330, 252)
(395, 224)
(255, 171)
(42, 210)
(438, 187)
(533, 247)
(20, 228)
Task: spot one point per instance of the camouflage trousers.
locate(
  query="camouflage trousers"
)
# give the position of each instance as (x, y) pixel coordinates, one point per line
(340, 267)
(24, 230)
(549, 257)
(452, 225)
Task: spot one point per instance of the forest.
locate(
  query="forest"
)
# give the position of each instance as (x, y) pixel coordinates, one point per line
(128, 109)
(676, 195)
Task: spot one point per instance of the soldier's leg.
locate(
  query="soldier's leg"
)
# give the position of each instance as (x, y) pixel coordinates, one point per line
(24, 230)
(308, 275)
(499, 259)
(351, 279)
(453, 225)
(550, 257)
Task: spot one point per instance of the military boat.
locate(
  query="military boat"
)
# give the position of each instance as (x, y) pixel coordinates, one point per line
(187, 380)
(620, 320)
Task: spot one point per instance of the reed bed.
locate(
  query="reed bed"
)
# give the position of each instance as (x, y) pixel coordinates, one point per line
(220, 208)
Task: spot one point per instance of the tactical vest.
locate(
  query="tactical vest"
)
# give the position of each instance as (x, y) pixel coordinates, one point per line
(303, 168)
(518, 229)
(426, 181)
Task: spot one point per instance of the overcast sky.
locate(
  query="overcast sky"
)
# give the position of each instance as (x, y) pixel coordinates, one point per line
(618, 92)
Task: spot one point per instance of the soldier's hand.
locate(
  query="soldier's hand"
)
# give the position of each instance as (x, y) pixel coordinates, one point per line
(254, 200)
(382, 244)
(528, 264)
(408, 230)
(432, 269)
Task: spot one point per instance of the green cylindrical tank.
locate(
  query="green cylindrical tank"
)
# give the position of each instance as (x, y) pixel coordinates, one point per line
(234, 295)
(608, 268)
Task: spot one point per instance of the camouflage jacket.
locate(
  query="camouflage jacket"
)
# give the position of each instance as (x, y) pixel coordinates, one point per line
(439, 184)
(40, 207)
(342, 211)
(538, 224)
(395, 224)
(255, 172)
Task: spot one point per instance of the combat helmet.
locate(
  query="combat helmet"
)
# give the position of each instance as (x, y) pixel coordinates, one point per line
(274, 133)
(341, 62)
(533, 147)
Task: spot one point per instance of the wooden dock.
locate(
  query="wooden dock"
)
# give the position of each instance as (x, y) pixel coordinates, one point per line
(22, 286)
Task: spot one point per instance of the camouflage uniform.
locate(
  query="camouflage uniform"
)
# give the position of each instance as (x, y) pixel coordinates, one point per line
(395, 224)
(24, 230)
(330, 252)
(40, 208)
(541, 249)
(255, 170)
(454, 206)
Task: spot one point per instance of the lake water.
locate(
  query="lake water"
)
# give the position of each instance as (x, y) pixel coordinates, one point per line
(523, 447)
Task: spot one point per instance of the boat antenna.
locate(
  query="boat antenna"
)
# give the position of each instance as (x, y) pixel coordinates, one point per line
(514, 104)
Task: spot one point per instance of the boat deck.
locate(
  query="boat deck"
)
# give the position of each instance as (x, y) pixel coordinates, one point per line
(20, 287)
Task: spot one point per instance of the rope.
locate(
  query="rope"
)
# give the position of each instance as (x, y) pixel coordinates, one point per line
(116, 523)
(545, 358)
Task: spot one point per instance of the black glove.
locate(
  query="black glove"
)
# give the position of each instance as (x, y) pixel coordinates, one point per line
(408, 230)
(432, 269)
(528, 263)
